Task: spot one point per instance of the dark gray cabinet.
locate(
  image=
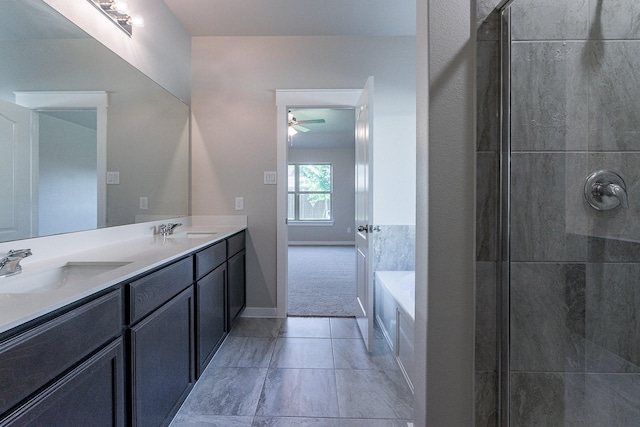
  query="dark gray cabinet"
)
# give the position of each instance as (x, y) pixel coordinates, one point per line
(40, 372)
(130, 355)
(162, 363)
(210, 314)
(90, 395)
(236, 283)
(161, 344)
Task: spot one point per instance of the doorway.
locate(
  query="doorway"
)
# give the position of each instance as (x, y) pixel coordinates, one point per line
(320, 211)
(291, 100)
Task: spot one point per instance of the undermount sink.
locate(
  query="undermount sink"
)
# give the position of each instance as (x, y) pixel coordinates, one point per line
(51, 279)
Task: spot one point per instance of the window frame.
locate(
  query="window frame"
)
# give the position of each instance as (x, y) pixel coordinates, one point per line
(296, 195)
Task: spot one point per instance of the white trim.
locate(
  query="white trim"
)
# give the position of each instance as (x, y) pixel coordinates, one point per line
(260, 312)
(50, 99)
(285, 99)
(82, 99)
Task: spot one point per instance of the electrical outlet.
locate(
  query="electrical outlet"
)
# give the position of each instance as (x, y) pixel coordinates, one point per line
(270, 178)
(113, 177)
(144, 203)
(239, 203)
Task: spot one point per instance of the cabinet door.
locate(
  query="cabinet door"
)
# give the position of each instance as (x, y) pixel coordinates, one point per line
(32, 359)
(210, 324)
(235, 288)
(90, 395)
(162, 365)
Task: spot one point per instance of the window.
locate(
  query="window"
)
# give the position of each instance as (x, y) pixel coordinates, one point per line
(310, 188)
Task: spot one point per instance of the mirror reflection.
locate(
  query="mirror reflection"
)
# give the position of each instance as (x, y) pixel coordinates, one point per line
(57, 150)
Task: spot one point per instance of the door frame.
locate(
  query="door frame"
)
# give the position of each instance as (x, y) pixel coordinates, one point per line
(285, 99)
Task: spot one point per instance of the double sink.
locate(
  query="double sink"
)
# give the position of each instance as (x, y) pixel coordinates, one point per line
(72, 274)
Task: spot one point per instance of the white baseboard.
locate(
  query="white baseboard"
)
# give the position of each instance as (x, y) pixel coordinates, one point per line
(307, 243)
(260, 312)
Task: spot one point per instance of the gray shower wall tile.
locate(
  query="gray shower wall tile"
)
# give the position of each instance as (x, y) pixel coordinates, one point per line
(604, 249)
(550, 20)
(613, 309)
(601, 360)
(487, 20)
(549, 95)
(547, 317)
(616, 19)
(614, 90)
(612, 400)
(486, 399)
(488, 95)
(548, 399)
(549, 220)
(394, 248)
(486, 350)
(487, 206)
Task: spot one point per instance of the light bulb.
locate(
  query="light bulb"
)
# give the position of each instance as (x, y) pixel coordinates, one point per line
(122, 6)
(137, 21)
(292, 131)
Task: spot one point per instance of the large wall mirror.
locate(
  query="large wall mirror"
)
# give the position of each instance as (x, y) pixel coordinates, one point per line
(67, 164)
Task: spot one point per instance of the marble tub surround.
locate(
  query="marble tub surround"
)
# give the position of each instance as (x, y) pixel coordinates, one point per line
(394, 247)
(136, 246)
(350, 387)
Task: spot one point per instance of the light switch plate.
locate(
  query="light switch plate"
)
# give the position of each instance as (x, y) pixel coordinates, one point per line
(239, 203)
(270, 177)
(144, 203)
(113, 177)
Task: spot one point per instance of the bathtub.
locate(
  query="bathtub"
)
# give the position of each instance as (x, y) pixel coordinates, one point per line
(395, 303)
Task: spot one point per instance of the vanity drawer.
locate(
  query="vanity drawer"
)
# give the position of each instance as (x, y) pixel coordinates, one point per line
(209, 258)
(33, 358)
(235, 244)
(150, 292)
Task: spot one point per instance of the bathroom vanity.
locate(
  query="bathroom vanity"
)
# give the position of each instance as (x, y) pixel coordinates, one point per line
(126, 348)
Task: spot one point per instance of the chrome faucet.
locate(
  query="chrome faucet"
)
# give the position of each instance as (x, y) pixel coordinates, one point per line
(167, 229)
(10, 264)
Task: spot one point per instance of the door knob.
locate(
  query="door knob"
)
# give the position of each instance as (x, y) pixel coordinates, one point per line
(364, 228)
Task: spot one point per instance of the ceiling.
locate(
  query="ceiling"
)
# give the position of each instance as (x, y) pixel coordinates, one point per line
(296, 18)
(238, 18)
(338, 131)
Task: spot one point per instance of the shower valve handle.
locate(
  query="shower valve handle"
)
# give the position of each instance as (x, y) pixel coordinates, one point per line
(605, 190)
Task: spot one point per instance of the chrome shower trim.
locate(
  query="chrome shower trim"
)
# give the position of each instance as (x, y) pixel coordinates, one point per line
(503, 270)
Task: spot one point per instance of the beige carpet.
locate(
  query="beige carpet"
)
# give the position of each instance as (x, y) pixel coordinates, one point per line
(322, 281)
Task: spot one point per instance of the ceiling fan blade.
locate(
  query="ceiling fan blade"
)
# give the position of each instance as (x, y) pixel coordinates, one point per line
(311, 121)
(300, 128)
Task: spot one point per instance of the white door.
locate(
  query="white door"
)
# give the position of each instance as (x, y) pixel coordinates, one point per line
(15, 172)
(364, 214)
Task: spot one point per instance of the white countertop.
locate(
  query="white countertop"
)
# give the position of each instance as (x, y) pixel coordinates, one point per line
(141, 254)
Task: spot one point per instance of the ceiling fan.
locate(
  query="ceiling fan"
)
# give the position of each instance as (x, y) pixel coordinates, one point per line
(296, 125)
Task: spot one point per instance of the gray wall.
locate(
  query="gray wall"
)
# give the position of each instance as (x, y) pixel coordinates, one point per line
(575, 307)
(343, 203)
(234, 124)
(445, 230)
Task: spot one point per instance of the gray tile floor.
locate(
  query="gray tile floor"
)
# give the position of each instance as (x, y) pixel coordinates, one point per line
(303, 372)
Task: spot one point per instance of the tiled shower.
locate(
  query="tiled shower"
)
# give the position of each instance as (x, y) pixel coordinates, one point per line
(569, 299)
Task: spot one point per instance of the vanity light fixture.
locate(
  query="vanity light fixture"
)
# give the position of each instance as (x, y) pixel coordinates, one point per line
(118, 12)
